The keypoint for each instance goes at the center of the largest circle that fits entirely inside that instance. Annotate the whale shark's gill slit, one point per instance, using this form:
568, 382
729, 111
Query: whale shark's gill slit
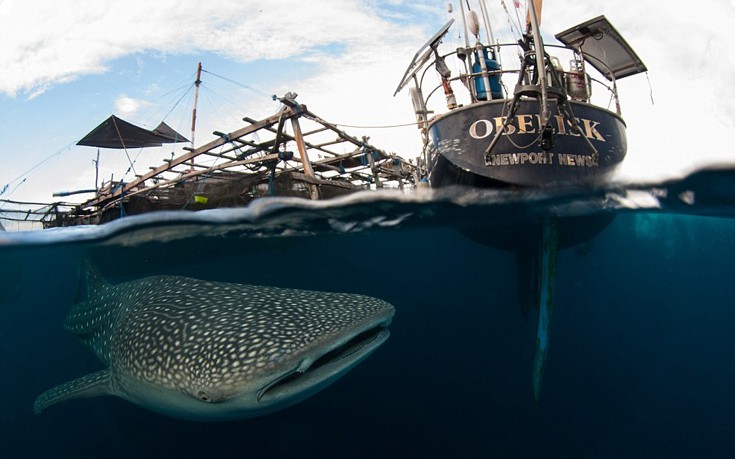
355, 344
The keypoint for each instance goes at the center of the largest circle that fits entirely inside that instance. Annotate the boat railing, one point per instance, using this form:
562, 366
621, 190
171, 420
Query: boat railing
467, 78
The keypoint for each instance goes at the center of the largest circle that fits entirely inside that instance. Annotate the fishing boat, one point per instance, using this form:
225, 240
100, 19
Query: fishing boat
546, 131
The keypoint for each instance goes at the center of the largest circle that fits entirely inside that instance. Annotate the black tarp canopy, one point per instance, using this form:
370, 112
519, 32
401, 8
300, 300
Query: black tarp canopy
118, 133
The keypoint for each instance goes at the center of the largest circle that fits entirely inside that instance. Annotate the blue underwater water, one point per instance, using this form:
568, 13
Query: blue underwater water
642, 339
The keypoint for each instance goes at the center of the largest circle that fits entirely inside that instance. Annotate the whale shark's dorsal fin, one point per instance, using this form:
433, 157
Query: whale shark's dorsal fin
91, 281
90, 385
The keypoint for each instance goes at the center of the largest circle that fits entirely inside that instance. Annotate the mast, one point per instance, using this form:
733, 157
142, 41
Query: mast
197, 83
538, 4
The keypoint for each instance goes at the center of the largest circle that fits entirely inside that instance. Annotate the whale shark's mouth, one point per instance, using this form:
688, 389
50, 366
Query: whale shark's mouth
327, 367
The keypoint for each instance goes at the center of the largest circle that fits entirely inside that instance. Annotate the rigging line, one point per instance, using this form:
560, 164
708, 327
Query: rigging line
510, 21
224, 93
52, 156
124, 149
203, 176
216, 101
216, 107
178, 101
12, 190
650, 88
159, 104
518, 18
376, 127
174, 91
257, 91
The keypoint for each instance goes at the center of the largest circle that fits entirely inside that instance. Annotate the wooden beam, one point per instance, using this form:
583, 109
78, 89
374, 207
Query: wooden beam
315, 131
291, 138
197, 173
333, 142
305, 162
101, 200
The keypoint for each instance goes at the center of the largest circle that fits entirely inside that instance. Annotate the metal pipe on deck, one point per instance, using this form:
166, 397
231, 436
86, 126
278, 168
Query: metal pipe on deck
540, 63
486, 21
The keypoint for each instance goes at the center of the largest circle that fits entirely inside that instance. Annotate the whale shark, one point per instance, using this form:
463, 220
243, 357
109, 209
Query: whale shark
201, 350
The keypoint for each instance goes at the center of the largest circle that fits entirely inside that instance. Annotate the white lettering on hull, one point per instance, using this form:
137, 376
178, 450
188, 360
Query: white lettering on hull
529, 124
561, 159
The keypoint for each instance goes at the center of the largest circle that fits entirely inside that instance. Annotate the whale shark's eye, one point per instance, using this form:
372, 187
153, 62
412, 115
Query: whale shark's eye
204, 397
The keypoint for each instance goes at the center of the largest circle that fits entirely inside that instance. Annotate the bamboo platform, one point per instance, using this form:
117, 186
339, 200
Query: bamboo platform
291, 153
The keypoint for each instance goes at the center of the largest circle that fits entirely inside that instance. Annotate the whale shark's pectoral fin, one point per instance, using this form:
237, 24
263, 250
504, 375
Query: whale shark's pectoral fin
91, 385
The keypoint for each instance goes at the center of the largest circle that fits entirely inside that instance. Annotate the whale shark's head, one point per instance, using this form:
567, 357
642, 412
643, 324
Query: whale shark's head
232, 393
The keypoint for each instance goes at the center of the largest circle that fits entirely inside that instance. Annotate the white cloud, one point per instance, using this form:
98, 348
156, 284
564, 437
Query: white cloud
128, 106
54, 40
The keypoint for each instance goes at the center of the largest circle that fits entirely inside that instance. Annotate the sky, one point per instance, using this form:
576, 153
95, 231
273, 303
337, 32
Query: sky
69, 64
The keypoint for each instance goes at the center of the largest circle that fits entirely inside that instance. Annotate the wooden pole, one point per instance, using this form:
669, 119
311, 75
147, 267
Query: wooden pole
97, 171
308, 169
197, 83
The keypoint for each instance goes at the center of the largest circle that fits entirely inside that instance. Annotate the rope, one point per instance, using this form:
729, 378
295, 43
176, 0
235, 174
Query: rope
178, 102
507, 106
415, 123
22, 178
523, 147
14, 188
650, 88
250, 88
214, 102
122, 142
510, 21
272, 97
201, 182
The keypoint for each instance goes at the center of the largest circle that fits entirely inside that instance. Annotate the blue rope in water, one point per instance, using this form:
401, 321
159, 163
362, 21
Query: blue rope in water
122, 195
272, 182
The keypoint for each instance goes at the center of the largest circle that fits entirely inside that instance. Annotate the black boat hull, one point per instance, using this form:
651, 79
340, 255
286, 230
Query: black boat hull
459, 139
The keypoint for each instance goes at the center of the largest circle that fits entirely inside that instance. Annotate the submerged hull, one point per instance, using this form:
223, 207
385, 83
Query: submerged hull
457, 156
459, 139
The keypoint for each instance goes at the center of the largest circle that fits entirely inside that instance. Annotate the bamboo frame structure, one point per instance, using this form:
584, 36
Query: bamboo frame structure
239, 166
